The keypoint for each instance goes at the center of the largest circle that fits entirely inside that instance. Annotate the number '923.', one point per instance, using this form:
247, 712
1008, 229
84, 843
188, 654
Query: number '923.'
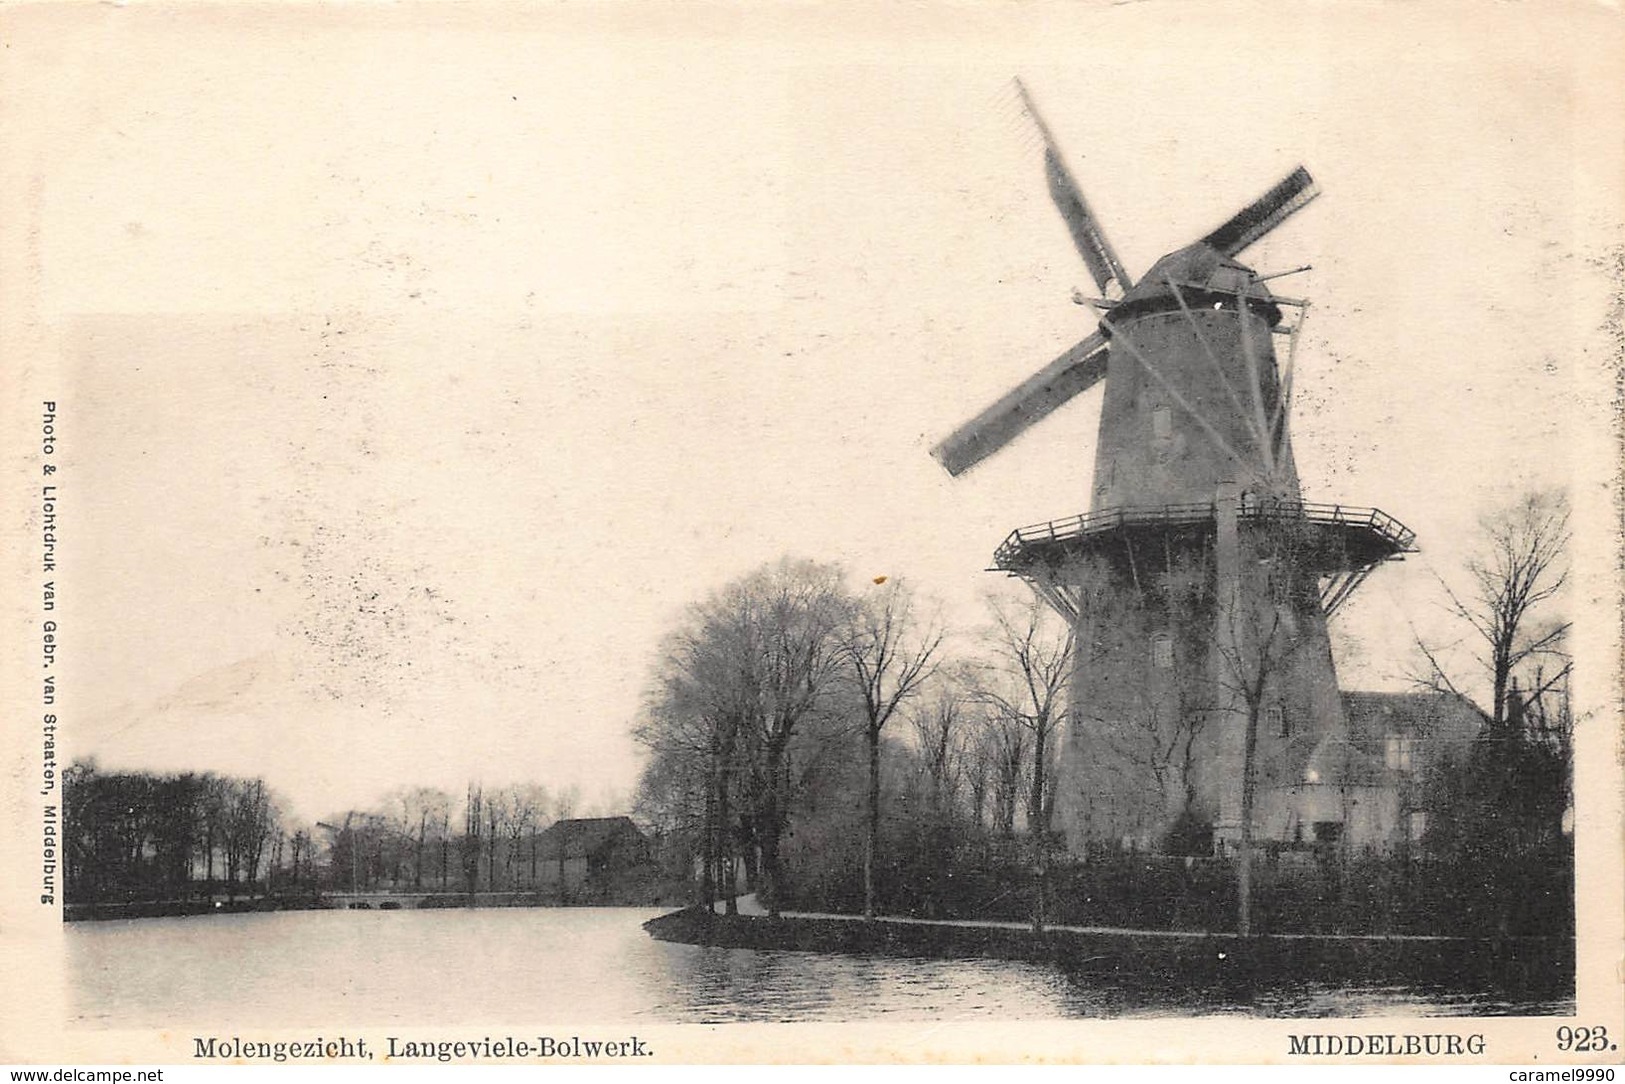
1584, 1040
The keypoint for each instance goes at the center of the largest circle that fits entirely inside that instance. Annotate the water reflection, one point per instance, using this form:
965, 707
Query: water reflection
321, 968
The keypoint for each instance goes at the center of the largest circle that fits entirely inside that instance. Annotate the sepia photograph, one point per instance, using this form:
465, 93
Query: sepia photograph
570, 533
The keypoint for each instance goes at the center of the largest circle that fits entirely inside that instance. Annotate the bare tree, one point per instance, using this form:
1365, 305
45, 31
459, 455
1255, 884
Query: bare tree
523, 814
441, 826
736, 682
213, 806
1002, 748
978, 760
409, 810
473, 829
299, 849
1515, 787
802, 607
698, 722
1522, 567
497, 816
1030, 661
1247, 669
259, 816
939, 726
248, 824
531, 801
677, 790
892, 652
432, 809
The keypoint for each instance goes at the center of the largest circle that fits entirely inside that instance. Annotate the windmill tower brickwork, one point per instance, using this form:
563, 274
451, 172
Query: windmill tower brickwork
1199, 583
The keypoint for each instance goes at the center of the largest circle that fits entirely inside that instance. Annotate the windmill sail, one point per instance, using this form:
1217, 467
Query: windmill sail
1035, 398
1264, 214
1081, 223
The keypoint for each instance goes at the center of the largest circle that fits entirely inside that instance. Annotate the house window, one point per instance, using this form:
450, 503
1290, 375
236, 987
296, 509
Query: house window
1418, 826
1397, 755
1162, 422
1277, 721
1162, 651
1328, 831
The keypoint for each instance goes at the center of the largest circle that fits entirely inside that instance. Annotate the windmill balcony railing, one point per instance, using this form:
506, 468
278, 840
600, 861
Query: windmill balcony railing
1401, 538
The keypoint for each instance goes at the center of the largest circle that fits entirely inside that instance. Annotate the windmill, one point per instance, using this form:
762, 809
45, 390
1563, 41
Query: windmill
1199, 582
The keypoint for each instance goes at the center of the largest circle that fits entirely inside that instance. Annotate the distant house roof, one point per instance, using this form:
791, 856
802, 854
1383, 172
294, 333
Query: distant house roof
589, 837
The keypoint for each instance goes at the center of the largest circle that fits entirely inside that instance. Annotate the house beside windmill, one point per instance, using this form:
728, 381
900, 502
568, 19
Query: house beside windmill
1404, 744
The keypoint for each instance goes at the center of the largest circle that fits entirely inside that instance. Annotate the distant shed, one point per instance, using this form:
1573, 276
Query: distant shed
595, 851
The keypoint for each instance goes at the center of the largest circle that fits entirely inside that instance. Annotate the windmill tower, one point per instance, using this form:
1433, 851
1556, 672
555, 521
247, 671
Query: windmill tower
1199, 582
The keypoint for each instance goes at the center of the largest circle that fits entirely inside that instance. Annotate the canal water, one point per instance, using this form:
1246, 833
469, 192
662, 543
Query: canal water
593, 965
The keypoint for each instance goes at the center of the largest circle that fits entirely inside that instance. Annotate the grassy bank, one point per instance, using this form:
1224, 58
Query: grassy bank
1542, 967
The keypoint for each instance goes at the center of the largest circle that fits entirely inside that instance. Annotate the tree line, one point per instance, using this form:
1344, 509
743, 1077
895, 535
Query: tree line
781, 690
142, 835
149, 836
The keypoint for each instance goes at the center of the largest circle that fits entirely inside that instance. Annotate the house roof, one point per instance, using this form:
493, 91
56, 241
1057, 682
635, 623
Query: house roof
1432, 716
584, 837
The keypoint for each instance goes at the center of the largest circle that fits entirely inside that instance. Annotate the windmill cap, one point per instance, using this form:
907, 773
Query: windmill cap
1201, 277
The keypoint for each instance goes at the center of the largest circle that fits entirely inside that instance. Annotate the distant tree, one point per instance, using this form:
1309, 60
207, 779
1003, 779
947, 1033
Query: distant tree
416, 815
212, 811
940, 732
531, 802
1001, 748
675, 794
977, 760
1510, 795
473, 830
1029, 661
497, 816
301, 852
440, 825
175, 831
1513, 582
892, 652
259, 820
248, 820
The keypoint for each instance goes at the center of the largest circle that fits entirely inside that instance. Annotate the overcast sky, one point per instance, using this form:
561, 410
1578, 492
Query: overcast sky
417, 369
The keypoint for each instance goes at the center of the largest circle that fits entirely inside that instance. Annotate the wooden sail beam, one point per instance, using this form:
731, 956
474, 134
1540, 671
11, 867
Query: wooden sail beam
1255, 374
1283, 407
